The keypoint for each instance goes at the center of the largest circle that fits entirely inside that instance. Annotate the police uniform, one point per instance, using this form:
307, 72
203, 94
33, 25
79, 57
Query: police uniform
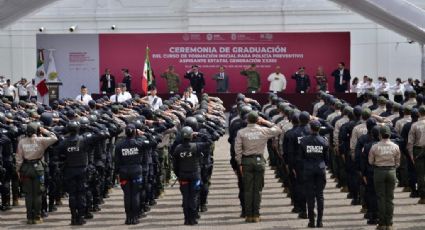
128, 165
367, 171
237, 124
302, 82
314, 149
385, 156
249, 147
197, 81
29, 164
186, 161
416, 149
74, 153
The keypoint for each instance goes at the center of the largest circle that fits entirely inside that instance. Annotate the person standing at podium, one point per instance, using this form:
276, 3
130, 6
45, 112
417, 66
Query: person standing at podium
108, 82
84, 97
222, 80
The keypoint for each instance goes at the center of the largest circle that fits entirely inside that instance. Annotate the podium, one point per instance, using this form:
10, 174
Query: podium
53, 90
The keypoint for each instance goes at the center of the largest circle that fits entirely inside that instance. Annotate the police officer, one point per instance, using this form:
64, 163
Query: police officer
186, 162
249, 147
239, 122
74, 155
8, 166
416, 148
302, 81
128, 165
363, 146
314, 149
30, 167
196, 79
385, 157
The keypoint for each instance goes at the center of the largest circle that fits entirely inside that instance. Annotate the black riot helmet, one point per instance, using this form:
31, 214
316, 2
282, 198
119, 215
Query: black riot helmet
191, 122
200, 118
73, 127
187, 133
84, 122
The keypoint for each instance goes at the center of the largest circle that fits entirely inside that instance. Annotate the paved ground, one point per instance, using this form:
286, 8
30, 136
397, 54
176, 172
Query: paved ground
224, 208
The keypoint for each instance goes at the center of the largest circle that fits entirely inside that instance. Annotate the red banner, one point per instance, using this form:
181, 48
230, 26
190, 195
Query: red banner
235, 51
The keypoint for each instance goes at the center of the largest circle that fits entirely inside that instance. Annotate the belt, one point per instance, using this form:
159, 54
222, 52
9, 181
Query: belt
252, 156
32, 161
384, 167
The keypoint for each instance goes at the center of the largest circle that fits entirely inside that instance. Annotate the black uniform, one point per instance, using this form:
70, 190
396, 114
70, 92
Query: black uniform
197, 81
74, 154
314, 149
302, 83
234, 127
186, 162
9, 166
298, 166
129, 155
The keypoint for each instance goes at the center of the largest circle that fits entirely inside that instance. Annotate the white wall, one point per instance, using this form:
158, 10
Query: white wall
375, 51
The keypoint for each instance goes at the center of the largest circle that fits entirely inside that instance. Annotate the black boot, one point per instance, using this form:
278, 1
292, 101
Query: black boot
80, 218
73, 217
203, 208
128, 220
135, 221
6, 204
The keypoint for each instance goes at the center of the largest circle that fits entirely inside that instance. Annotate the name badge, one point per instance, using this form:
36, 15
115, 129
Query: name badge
171, 92
302, 91
194, 91
253, 92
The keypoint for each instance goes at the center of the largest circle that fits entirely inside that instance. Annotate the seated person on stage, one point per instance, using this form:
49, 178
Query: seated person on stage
153, 99
118, 97
126, 94
84, 97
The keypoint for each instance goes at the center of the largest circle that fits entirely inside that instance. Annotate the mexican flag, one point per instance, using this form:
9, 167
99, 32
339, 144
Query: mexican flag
147, 73
40, 74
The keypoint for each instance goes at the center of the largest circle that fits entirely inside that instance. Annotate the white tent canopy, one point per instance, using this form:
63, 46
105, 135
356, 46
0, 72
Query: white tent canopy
13, 10
400, 16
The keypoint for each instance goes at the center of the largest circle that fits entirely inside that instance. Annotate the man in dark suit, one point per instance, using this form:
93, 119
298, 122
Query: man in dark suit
342, 78
108, 82
196, 79
127, 79
222, 80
